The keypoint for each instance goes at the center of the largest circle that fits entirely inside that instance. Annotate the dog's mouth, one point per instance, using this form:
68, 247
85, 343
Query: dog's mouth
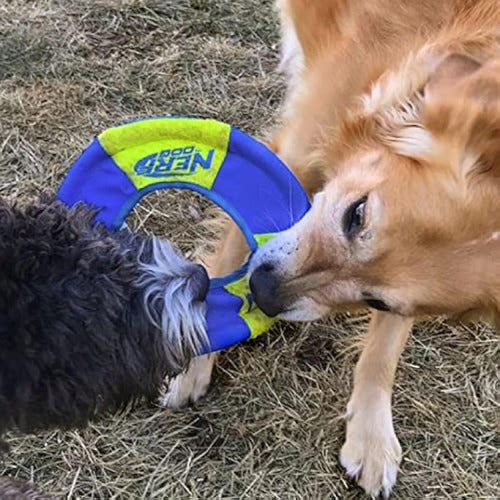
376, 303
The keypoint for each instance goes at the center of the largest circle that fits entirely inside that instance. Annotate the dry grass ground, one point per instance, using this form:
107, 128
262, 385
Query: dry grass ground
270, 427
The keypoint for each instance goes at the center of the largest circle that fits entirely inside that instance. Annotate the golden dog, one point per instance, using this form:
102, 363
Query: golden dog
392, 122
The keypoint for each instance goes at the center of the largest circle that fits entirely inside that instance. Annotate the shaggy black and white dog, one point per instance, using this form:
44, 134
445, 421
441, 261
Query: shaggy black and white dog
89, 319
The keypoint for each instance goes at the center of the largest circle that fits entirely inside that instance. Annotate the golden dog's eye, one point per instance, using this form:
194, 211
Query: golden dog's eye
354, 218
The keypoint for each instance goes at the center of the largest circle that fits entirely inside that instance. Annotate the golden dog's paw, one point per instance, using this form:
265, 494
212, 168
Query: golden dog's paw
188, 387
180, 392
371, 453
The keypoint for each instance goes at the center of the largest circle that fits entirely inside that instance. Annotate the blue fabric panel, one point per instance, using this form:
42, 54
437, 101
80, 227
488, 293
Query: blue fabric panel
96, 180
224, 326
260, 196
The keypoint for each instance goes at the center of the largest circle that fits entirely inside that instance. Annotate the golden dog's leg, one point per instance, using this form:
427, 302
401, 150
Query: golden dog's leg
193, 384
371, 452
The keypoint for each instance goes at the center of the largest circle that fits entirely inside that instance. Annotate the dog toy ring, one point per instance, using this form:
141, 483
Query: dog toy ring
230, 168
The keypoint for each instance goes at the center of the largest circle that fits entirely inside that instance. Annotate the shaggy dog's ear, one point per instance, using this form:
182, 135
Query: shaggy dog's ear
456, 123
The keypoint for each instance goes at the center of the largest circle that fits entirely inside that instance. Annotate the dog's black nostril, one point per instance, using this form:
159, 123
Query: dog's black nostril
201, 283
267, 267
264, 285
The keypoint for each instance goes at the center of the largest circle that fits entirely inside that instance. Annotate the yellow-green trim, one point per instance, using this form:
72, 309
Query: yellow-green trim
144, 150
256, 320
263, 238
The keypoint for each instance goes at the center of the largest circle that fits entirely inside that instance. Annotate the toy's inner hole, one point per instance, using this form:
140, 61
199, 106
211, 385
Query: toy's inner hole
191, 222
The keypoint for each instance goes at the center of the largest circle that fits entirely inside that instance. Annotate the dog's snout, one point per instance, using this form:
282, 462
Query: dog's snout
201, 283
264, 285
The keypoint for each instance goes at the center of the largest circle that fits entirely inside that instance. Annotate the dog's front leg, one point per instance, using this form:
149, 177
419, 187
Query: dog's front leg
371, 452
190, 386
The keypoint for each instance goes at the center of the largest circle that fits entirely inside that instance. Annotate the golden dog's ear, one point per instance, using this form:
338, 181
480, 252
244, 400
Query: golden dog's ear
463, 119
448, 73
458, 119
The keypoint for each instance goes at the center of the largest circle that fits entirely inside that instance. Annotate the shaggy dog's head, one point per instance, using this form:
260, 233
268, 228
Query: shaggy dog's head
89, 319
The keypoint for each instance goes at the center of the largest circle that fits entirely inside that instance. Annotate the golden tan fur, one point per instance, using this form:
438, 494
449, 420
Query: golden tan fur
426, 140
398, 101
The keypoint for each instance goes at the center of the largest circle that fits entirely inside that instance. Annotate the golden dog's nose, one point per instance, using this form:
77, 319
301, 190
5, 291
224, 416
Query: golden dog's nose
264, 285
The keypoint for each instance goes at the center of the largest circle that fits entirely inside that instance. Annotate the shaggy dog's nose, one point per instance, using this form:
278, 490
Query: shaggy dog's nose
201, 283
264, 286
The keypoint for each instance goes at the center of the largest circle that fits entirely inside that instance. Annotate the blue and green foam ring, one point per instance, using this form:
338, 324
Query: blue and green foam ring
230, 168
